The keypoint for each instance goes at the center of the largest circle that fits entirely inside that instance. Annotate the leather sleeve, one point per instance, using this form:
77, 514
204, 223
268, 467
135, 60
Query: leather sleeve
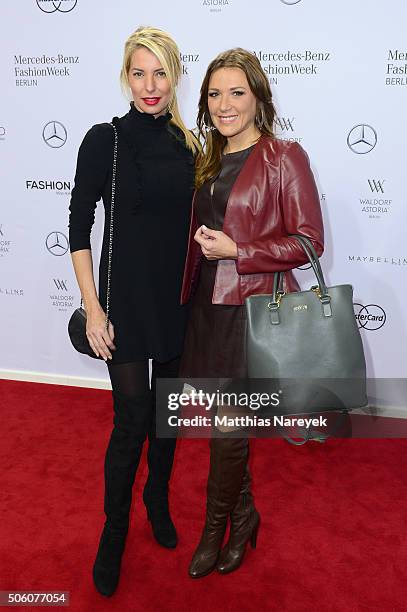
93, 165
301, 211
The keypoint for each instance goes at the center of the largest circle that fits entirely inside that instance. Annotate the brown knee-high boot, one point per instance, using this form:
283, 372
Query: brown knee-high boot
228, 457
244, 525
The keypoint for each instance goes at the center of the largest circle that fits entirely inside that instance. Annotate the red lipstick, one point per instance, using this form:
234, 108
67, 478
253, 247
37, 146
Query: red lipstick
151, 101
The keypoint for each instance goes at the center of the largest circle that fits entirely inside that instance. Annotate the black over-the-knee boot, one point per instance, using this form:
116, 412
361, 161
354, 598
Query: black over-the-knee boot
160, 458
131, 419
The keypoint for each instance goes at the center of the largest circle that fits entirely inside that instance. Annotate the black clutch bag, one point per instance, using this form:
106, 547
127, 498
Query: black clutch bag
77, 322
77, 333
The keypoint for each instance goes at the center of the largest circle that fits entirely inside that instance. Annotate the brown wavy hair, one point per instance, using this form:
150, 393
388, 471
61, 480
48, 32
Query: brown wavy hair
208, 162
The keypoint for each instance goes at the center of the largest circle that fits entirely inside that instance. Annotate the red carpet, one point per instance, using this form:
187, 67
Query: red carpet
332, 538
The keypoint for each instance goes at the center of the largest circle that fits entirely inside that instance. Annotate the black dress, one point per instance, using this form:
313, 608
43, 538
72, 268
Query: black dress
215, 338
154, 187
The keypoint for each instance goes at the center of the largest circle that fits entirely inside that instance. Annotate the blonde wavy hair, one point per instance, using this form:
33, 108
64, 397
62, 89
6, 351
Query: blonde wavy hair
166, 50
209, 161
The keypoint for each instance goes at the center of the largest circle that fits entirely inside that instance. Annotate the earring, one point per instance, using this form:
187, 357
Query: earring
259, 121
207, 121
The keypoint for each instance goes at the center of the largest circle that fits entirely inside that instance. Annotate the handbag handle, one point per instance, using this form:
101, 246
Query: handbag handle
313, 258
110, 248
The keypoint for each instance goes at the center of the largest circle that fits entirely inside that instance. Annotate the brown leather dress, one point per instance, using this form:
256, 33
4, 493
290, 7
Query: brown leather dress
215, 337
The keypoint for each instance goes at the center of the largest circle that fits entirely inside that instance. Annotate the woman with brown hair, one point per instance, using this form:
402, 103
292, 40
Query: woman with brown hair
253, 191
153, 190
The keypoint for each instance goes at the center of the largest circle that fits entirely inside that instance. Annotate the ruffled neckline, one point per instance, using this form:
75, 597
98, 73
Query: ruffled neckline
147, 121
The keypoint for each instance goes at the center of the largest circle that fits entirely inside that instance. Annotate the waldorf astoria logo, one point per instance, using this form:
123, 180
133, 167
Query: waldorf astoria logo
286, 124
5, 244
216, 6
371, 317
376, 185
375, 203
56, 6
374, 200
285, 128
60, 297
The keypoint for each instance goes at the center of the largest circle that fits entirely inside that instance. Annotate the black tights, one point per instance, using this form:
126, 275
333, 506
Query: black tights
132, 379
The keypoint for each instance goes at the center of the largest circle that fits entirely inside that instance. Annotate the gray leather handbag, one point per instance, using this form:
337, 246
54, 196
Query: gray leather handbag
307, 345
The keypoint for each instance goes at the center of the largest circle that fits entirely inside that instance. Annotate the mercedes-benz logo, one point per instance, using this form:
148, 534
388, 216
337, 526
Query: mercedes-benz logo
52, 6
290, 1
371, 316
57, 243
362, 139
54, 134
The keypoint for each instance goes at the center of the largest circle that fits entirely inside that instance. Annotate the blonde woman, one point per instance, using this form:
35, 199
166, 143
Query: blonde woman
154, 187
253, 191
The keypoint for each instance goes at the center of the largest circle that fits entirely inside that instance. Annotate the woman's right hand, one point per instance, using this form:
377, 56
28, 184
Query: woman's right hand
100, 338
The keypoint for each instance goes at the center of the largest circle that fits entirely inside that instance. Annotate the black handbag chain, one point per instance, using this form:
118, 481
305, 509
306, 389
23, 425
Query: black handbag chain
109, 262
110, 248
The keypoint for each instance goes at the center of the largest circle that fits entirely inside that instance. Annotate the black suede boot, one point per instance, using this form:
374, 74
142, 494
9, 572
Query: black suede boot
160, 458
131, 418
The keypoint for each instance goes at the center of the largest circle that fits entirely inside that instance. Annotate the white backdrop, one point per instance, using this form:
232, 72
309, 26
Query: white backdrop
338, 72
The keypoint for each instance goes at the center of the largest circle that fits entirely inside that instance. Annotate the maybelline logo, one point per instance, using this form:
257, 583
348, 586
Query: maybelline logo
57, 244
376, 206
54, 134
396, 67
4, 244
2, 133
369, 259
58, 186
61, 301
371, 317
54, 6
362, 138
11, 292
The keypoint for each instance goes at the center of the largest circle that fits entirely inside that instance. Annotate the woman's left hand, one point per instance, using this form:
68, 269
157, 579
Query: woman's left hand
215, 244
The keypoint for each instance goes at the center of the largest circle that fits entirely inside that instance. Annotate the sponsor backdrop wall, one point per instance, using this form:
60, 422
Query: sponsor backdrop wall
338, 71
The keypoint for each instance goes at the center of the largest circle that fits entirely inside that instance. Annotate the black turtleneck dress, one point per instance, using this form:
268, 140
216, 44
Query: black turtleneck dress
154, 187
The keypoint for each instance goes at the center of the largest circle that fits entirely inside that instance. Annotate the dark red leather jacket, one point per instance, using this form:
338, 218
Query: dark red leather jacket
273, 196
